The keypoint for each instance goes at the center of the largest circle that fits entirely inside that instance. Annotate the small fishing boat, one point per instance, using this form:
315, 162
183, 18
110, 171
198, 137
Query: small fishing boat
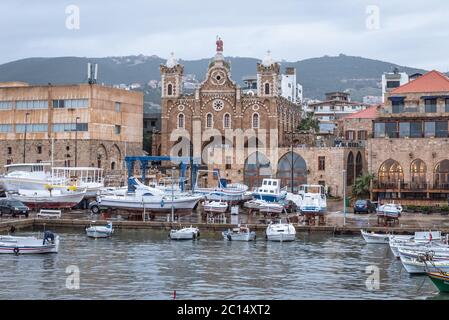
49, 243
239, 234
271, 207
270, 191
440, 279
421, 266
389, 210
438, 254
186, 233
313, 199
421, 238
100, 231
224, 191
280, 231
45, 199
215, 206
254, 204
375, 238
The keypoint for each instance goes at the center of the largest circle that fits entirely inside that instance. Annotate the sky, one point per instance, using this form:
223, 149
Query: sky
412, 33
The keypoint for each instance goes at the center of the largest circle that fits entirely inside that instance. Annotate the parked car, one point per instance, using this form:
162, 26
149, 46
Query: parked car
364, 206
13, 207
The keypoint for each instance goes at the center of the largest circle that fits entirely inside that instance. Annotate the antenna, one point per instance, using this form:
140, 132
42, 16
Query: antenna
92, 73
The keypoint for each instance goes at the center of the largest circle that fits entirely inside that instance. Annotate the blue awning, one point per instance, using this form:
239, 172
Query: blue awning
435, 97
396, 98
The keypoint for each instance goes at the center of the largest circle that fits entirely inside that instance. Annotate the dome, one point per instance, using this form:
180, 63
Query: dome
171, 62
268, 60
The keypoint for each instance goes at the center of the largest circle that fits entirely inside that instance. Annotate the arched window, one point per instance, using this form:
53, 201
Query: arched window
181, 120
350, 170
288, 163
267, 88
209, 120
112, 165
170, 89
418, 172
358, 165
227, 121
390, 174
255, 120
442, 175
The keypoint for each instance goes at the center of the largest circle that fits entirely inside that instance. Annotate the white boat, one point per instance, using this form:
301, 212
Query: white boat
215, 206
239, 234
375, 238
270, 191
44, 199
431, 238
142, 199
42, 176
30, 245
437, 253
271, 207
418, 266
254, 204
224, 191
280, 231
186, 233
313, 200
100, 231
389, 210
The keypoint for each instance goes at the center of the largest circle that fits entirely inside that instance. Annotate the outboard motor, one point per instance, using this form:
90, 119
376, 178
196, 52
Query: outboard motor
49, 237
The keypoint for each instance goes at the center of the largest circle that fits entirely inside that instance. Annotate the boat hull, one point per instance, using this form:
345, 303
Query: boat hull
65, 201
416, 267
374, 238
124, 203
251, 236
281, 237
184, 234
27, 245
440, 281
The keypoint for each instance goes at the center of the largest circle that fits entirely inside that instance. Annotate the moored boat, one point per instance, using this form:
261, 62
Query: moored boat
421, 266
30, 245
440, 280
375, 238
280, 231
100, 231
239, 234
186, 233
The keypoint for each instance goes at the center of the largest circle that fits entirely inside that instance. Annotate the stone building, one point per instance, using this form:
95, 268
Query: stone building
85, 125
409, 150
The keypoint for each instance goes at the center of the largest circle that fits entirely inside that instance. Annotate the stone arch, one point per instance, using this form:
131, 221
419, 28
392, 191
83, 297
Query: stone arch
418, 172
102, 156
292, 170
358, 165
115, 157
350, 169
441, 175
390, 173
256, 168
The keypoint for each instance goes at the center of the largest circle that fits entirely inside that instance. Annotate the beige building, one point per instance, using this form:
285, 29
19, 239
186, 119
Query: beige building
85, 125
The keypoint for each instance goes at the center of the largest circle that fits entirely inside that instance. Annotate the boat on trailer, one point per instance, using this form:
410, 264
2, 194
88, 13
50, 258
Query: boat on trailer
215, 206
314, 200
45, 199
224, 191
270, 191
49, 243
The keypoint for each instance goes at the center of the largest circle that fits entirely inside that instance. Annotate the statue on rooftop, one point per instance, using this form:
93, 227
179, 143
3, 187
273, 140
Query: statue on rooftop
219, 44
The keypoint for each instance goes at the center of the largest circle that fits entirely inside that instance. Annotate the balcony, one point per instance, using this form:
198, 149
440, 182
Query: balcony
410, 187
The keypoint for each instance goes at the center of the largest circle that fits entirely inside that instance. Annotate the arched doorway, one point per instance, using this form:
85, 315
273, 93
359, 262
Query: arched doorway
418, 171
390, 174
257, 167
102, 156
358, 165
350, 166
441, 176
297, 176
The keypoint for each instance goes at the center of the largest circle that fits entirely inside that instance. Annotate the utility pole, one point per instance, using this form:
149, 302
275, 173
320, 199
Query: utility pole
25, 136
76, 141
344, 197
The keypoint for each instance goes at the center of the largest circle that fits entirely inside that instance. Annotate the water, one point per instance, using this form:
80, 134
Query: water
146, 265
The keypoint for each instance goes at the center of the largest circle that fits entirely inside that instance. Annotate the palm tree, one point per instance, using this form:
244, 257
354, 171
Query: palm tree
309, 123
361, 187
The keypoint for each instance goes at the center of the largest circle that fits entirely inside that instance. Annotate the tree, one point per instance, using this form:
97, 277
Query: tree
361, 187
309, 123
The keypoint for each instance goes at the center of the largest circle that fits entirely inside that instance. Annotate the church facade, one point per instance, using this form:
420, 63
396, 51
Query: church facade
240, 135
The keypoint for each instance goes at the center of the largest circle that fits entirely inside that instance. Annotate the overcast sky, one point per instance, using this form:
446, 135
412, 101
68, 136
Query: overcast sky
412, 33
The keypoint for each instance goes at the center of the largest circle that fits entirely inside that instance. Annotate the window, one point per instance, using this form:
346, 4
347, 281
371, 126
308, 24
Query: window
255, 120
362, 134
9, 150
31, 104
404, 129
68, 127
112, 165
391, 130
227, 120
415, 129
431, 105
4, 128
446, 107
209, 120
429, 129
117, 129
70, 103
181, 120
397, 106
321, 163
37, 127
267, 88
379, 130
9, 161
5, 105
350, 135
170, 89
441, 129
153, 123
118, 106
393, 84
228, 163
39, 149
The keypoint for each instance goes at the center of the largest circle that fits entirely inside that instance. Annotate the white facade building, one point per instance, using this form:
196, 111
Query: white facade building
392, 80
290, 89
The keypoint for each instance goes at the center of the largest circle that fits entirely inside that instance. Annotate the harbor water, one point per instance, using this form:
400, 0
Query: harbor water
147, 265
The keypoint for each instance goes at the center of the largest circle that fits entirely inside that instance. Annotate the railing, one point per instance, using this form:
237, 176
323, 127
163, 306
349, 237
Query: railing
410, 186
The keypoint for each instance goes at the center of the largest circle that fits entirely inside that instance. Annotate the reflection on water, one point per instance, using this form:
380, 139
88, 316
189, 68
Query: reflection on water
146, 265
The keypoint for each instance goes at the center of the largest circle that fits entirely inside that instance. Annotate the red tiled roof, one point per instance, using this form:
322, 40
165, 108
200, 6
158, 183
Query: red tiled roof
432, 81
368, 113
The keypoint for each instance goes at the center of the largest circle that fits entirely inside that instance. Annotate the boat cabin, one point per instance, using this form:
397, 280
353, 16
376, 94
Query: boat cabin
270, 186
27, 167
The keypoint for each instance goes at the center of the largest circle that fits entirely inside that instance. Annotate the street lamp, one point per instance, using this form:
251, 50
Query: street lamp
25, 136
76, 141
